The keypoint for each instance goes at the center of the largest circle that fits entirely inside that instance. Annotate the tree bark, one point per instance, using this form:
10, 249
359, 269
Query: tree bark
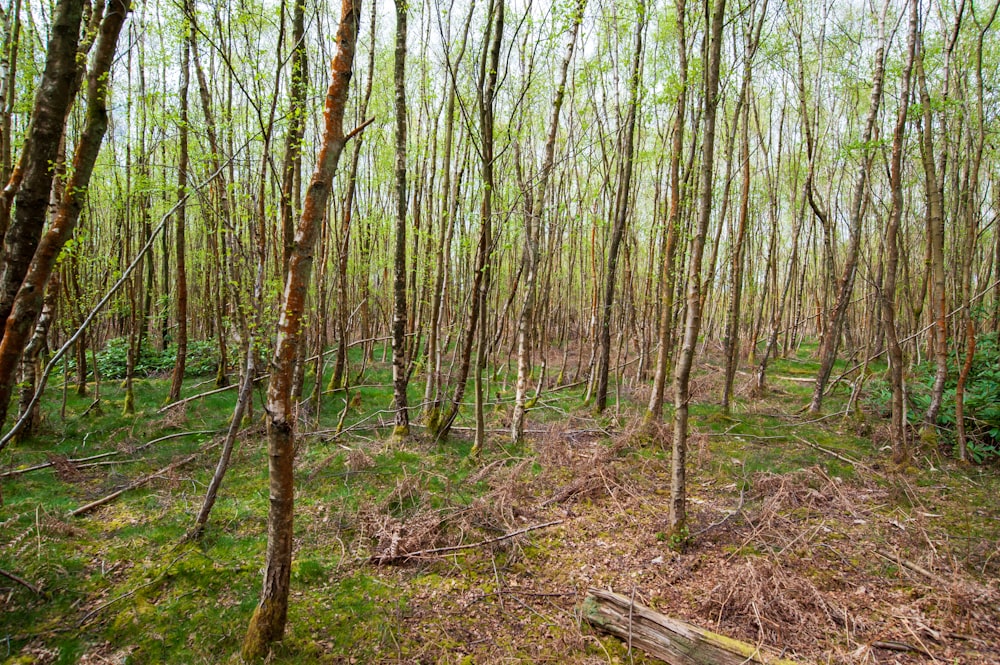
399, 317
668, 271
532, 233
28, 303
268, 621
180, 221
31, 179
897, 425
712, 55
621, 213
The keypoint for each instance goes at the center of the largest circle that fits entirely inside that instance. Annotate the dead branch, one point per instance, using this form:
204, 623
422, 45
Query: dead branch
902, 647
437, 551
899, 561
18, 472
177, 435
671, 640
23, 582
131, 486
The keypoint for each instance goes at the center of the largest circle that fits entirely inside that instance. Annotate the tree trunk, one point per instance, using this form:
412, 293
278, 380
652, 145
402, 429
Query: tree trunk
399, 318
268, 622
897, 425
532, 232
621, 213
730, 343
712, 55
31, 180
668, 271
180, 221
28, 303
831, 339
488, 74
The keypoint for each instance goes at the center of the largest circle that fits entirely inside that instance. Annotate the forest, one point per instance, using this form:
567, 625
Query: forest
491, 331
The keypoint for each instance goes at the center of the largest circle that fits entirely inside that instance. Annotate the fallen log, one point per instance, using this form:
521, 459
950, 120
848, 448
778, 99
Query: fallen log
671, 640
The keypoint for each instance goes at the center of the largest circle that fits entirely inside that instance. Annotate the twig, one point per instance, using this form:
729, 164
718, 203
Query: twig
23, 582
715, 525
458, 548
895, 558
176, 435
833, 453
128, 594
18, 472
214, 391
902, 647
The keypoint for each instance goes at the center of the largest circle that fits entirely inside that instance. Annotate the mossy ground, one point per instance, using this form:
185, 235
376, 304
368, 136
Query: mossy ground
793, 544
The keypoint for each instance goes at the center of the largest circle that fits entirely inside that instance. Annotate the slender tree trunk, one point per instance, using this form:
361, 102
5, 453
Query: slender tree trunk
292, 164
8, 79
180, 223
435, 352
971, 212
338, 379
488, 74
935, 238
897, 425
620, 215
485, 92
399, 318
730, 343
712, 56
33, 359
831, 340
268, 622
532, 232
668, 271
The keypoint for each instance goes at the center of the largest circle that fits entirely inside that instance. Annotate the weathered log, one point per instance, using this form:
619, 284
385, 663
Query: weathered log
671, 640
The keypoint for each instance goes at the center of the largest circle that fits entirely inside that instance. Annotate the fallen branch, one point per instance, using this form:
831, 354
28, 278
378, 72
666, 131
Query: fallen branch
437, 551
671, 640
833, 453
176, 435
216, 391
18, 472
23, 582
902, 647
899, 561
131, 486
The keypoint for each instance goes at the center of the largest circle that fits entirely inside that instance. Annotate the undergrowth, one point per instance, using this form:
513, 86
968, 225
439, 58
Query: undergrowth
410, 552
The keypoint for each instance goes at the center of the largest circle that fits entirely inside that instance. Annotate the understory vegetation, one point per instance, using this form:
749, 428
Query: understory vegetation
802, 538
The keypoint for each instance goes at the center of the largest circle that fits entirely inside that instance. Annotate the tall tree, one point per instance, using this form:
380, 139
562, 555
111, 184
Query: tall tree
532, 233
180, 224
712, 56
268, 622
399, 374
621, 211
31, 180
845, 291
668, 272
730, 342
27, 305
897, 425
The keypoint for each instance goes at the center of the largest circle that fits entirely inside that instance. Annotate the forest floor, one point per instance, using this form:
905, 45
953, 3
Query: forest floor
803, 537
